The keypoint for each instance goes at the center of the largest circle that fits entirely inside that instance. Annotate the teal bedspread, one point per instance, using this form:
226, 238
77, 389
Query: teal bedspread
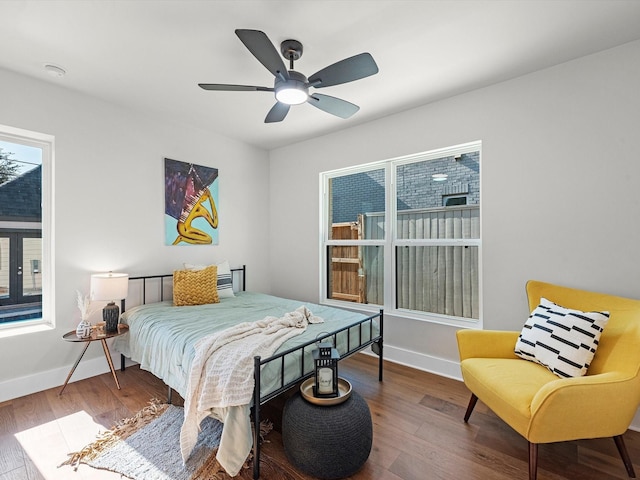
161, 336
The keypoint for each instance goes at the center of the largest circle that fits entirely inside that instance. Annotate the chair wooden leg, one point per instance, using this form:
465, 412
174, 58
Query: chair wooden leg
472, 403
533, 461
622, 449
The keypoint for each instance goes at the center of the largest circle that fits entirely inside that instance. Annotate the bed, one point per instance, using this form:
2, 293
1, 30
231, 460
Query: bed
162, 338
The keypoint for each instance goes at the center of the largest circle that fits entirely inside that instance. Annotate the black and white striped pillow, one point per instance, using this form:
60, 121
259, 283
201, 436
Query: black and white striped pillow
225, 285
561, 339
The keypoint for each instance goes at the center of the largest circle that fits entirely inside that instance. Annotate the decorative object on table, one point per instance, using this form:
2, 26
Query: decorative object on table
100, 333
131, 448
83, 330
191, 199
325, 359
110, 287
327, 442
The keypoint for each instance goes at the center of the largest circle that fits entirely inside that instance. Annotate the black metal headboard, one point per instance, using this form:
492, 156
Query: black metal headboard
158, 281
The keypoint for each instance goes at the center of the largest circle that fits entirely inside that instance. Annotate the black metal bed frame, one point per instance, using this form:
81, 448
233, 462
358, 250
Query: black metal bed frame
376, 343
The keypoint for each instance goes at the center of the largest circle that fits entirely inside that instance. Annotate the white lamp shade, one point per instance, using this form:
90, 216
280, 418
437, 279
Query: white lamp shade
109, 286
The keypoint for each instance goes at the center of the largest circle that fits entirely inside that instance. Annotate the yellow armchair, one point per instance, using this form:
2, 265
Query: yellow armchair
541, 406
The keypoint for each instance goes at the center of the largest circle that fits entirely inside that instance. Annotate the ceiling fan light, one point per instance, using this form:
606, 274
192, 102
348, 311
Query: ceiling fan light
292, 90
291, 95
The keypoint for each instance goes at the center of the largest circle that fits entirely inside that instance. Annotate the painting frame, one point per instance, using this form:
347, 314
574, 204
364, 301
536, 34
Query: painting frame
191, 203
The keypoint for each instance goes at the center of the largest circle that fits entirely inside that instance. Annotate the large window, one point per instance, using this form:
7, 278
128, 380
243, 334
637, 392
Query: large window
404, 234
25, 229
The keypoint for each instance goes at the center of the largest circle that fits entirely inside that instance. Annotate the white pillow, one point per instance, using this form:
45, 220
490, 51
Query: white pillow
225, 285
561, 339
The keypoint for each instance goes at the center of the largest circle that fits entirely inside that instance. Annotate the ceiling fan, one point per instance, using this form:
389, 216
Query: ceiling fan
291, 87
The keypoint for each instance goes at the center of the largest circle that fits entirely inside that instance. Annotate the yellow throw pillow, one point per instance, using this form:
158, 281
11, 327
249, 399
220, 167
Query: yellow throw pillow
195, 287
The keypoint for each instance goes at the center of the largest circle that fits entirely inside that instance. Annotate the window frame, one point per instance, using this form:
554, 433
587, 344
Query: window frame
391, 240
44, 142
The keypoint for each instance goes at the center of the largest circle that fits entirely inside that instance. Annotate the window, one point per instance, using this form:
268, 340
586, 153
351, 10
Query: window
25, 229
454, 201
404, 234
356, 224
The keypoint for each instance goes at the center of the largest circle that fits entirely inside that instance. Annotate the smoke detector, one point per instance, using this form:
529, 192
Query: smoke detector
54, 70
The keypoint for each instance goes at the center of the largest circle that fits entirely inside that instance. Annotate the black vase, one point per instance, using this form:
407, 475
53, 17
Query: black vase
111, 315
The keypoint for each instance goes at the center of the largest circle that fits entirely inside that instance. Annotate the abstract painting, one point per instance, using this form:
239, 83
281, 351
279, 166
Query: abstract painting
191, 199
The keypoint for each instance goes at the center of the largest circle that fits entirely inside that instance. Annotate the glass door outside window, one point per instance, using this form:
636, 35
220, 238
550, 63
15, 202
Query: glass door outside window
20, 267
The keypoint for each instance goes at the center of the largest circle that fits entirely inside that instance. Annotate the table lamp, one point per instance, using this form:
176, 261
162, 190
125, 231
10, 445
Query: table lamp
110, 287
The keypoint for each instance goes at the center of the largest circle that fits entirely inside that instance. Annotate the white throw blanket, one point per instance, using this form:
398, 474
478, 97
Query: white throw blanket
221, 378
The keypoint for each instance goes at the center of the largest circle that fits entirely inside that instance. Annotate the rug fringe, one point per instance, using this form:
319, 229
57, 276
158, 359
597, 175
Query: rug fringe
265, 427
212, 470
118, 432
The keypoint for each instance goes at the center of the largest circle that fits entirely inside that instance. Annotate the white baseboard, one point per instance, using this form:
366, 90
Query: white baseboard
635, 423
421, 361
19, 387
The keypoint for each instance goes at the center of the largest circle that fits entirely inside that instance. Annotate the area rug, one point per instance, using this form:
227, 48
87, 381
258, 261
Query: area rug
147, 447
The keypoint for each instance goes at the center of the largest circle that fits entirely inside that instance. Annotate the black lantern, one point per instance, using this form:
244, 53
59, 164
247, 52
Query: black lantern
326, 368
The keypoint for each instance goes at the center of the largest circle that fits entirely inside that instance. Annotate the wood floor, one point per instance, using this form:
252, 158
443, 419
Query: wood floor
417, 420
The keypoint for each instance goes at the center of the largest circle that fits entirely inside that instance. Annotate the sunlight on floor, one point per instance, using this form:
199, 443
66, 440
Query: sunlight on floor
45, 446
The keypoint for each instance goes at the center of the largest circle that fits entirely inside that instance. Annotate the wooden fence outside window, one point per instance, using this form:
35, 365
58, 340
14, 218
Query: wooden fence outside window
441, 279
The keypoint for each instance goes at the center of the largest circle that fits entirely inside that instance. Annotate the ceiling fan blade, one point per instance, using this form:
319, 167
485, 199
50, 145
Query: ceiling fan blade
261, 47
277, 113
233, 88
347, 70
335, 106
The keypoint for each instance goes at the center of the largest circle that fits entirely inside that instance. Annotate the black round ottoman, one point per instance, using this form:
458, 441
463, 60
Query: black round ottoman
327, 442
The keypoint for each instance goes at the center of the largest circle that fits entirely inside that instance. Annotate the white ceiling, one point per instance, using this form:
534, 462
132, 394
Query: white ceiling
150, 55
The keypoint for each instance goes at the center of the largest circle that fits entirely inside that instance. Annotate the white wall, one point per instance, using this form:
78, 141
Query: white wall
109, 203
560, 199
